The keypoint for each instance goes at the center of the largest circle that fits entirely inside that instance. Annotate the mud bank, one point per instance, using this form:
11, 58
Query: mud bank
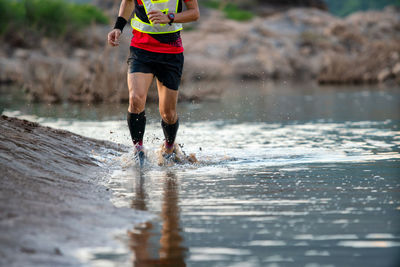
52, 198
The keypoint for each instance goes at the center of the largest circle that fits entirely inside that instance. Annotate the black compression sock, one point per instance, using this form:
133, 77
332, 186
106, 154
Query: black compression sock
170, 131
137, 125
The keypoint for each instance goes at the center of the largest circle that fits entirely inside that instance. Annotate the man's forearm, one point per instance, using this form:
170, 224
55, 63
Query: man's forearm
187, 16
126, 8
191, 14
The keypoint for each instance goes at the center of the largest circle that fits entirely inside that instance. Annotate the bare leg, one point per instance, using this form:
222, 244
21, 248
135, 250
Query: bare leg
168, 100
138, 84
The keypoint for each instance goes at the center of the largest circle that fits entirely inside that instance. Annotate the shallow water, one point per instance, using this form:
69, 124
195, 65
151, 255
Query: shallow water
288, 176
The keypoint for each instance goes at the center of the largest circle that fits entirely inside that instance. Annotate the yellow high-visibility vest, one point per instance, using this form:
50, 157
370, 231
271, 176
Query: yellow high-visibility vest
165, 6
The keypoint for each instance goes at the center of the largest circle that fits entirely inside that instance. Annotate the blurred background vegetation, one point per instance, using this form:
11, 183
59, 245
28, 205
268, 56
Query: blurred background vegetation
49, 17
346, 7
241, 9
231, 10
60, 17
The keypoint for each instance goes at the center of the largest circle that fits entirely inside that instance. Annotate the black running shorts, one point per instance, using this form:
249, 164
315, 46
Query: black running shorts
166, 67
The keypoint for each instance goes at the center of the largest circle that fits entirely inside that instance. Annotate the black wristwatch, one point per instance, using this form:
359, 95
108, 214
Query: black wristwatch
171, 17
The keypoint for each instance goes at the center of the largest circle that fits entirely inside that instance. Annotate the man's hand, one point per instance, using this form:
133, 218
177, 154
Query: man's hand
157, 17
113, 37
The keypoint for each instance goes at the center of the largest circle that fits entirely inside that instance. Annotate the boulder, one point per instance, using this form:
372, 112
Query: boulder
396, 69
384, 75
11, 70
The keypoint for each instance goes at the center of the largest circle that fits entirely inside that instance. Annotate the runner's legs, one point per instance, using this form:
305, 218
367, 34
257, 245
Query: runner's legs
138, 85
168, 100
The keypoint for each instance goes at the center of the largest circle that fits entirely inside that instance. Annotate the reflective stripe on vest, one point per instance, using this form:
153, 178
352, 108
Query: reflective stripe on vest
165, 6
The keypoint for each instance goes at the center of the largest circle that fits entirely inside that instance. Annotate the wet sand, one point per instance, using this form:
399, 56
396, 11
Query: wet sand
52, 198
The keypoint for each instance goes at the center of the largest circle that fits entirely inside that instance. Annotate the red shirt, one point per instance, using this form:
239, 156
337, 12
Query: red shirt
170, 43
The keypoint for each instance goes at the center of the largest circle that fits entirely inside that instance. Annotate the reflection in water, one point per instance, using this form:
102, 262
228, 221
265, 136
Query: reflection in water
171, 252
139, 240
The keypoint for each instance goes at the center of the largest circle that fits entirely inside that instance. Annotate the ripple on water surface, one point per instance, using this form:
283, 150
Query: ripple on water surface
287, 194
293, 194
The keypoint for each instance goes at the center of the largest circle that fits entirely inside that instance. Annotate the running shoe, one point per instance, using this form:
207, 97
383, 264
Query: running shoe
140, 156
167, 159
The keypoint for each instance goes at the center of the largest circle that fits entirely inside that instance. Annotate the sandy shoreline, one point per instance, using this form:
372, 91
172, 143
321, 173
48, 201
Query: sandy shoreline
53, 197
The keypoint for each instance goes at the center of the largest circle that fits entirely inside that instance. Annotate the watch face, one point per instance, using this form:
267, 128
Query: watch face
171, 16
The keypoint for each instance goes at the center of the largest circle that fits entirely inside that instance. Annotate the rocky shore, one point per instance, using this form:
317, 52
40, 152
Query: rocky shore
297, 44
53, 201
306, 44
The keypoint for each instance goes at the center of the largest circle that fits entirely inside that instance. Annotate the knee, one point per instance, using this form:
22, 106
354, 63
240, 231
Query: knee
136, 102
169, 116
